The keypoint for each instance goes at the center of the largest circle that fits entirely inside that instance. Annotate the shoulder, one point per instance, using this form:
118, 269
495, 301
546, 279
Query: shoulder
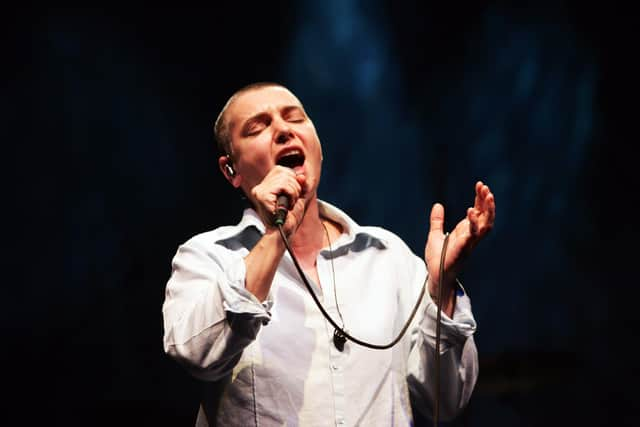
243, 233
212, 236
201, 246
388, 237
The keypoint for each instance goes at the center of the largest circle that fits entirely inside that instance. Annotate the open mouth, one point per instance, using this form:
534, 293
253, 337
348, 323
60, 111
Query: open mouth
291, 159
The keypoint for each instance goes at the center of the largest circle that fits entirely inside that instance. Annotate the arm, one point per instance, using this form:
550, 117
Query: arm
216, 299
458, 353
262, 262
209, 316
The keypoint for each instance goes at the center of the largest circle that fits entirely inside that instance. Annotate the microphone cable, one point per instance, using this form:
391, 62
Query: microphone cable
279, 222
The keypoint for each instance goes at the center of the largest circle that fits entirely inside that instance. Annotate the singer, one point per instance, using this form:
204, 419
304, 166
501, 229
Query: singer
237, 316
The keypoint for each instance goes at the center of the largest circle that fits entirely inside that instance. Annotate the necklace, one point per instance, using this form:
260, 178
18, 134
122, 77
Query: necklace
339, 339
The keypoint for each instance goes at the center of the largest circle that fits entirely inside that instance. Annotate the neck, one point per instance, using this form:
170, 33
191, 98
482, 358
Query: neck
309, 237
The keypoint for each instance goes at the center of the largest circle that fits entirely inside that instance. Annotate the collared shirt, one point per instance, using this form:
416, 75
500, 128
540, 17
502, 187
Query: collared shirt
273, 363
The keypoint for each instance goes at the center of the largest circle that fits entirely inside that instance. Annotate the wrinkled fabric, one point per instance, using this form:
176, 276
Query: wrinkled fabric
273, 362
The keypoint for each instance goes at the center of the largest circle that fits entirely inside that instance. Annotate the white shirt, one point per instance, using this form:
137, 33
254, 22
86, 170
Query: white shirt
274, 363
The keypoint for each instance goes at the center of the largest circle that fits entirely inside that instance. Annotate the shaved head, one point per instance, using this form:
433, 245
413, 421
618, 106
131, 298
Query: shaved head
221, 127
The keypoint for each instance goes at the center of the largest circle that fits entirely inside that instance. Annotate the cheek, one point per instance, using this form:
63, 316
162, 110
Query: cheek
312, 141
254, 171
317, 150
256, 154
254, 165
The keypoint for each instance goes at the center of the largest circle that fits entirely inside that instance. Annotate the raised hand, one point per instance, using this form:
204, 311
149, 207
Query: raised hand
464, 237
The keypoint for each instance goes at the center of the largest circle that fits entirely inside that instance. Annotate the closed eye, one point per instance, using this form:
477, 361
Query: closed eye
255, 125
294, 114
255, 129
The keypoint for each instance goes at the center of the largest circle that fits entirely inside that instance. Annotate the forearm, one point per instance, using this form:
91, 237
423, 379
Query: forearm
448, 304
262, 262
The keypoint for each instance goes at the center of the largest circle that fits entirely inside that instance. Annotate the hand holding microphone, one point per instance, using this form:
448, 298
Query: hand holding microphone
283, 203
280, 192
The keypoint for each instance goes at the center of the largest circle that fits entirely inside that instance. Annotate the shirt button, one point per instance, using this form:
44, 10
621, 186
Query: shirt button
334, 366
341, 421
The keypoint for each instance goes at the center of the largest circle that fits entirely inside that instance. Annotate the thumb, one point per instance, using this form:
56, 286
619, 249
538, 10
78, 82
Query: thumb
297, 212
437, 218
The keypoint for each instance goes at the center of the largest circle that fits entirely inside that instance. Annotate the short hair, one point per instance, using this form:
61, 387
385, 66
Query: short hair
221, 125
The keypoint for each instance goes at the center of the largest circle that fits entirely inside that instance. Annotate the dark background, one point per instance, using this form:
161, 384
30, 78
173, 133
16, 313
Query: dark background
112, 164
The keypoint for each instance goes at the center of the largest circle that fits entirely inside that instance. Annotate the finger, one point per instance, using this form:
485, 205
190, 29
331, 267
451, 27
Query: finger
478, 200
486, 199
297, 211
292, 189
491, 209
287, 176
302, 180
280, 175
282, 169
286, 186
436, 220
472, 216
484, 192
298, 208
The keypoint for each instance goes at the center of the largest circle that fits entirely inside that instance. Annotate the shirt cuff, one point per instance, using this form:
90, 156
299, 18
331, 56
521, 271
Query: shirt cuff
453, 331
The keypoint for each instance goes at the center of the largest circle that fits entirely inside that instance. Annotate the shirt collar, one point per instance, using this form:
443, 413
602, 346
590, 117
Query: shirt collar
354, 237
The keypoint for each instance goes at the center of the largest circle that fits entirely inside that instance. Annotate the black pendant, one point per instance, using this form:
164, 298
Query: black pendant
339, 339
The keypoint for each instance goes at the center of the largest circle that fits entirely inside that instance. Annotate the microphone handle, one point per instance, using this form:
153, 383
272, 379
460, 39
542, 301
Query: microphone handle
282, 207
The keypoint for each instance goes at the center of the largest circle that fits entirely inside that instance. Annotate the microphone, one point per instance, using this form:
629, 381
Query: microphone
282, 207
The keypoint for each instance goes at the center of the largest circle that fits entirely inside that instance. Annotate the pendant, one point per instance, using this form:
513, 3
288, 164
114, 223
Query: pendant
339, 340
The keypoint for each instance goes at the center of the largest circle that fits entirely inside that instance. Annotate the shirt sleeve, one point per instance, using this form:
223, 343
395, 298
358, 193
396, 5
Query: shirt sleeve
209, 317
458, 355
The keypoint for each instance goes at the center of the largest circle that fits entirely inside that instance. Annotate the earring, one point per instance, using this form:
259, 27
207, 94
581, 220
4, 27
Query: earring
227, 166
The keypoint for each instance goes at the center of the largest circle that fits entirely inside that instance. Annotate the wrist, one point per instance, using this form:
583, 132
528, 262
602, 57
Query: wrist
271, 238
450, 283
449, 289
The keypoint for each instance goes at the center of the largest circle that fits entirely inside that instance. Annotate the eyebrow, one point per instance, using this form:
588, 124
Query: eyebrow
289, 108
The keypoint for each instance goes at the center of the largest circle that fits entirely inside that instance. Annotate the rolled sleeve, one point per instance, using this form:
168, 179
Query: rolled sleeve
237, 299
453, 331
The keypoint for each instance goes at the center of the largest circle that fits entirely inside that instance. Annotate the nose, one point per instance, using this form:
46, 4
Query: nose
283, 133
283, 137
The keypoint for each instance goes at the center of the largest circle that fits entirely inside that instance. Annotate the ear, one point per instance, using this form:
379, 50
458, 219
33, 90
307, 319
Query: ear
229, 172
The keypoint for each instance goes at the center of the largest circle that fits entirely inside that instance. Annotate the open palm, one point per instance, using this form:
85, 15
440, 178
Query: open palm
464, 237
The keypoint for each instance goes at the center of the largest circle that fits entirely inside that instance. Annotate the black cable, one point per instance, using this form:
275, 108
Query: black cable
344, 334
347, 335
436, 411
